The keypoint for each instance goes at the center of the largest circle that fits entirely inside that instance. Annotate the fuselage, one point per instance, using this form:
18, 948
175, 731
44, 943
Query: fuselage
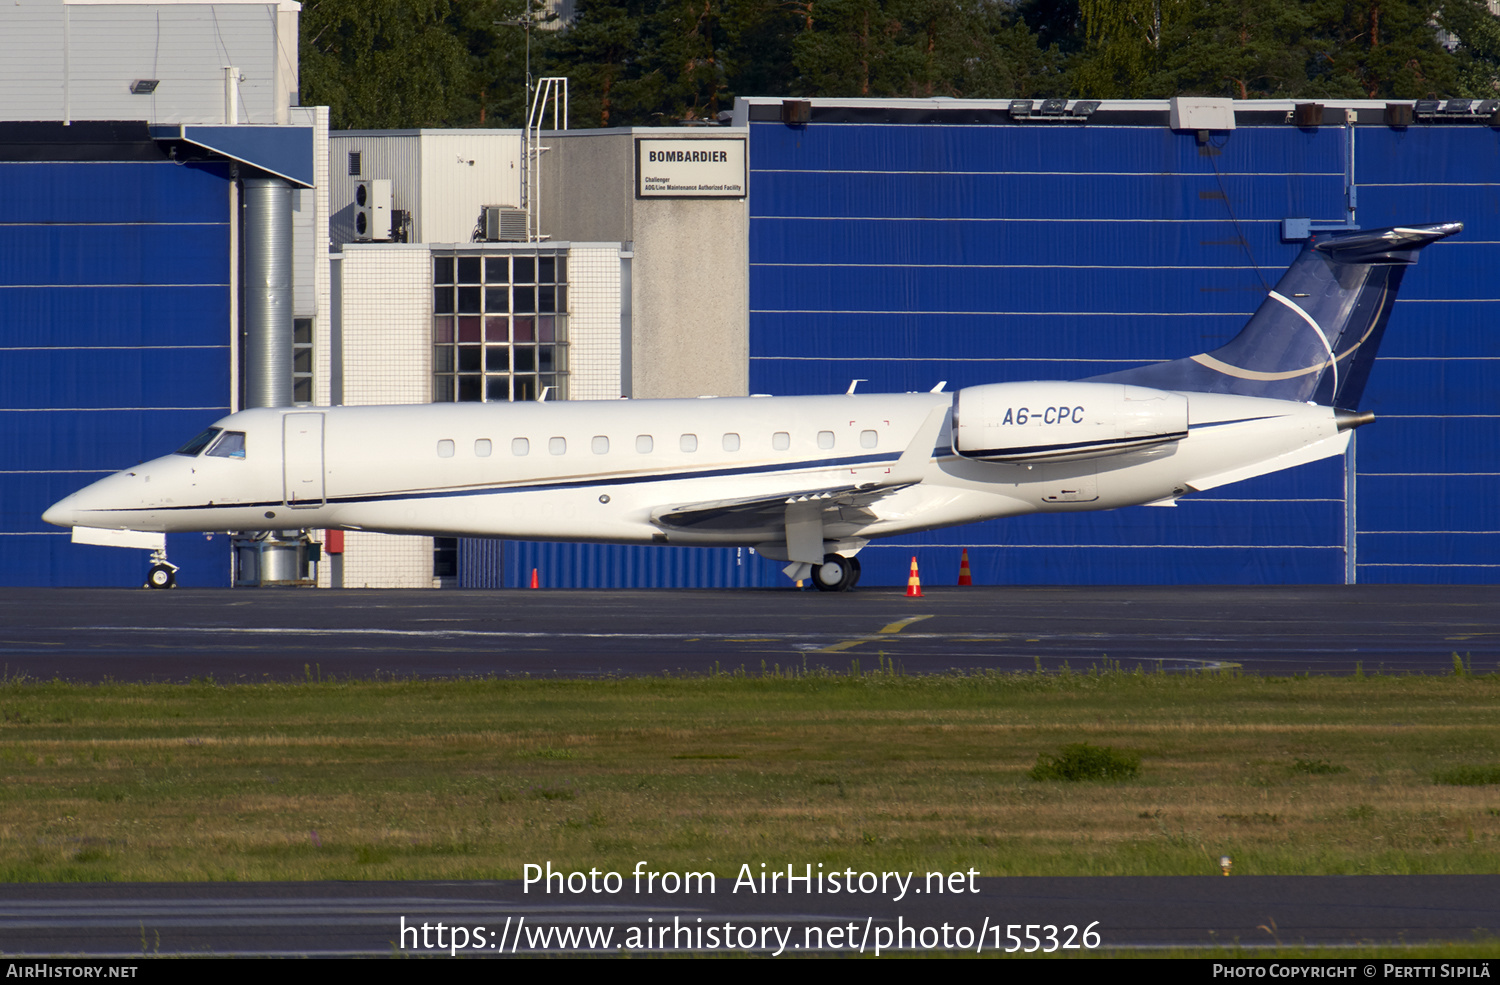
607, 471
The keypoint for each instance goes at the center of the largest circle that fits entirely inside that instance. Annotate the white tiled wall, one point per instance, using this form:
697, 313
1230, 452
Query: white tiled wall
594, 321
387, 333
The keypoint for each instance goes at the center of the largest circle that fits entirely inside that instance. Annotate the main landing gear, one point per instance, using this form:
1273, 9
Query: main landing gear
163, 573
836, 574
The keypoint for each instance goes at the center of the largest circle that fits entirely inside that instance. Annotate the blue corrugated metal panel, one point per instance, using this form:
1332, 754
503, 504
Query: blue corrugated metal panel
98, 378
1446, 329
135, 254
32, 441
1402, 502
967, 289
1447, 386
611, 566
481, 563
1431, 548
1043, 148
129, 315
1423, 155
53, 559
120, 376
1023, 242
114, 192
1430, 445
1034, 196
1476, 206
887, 563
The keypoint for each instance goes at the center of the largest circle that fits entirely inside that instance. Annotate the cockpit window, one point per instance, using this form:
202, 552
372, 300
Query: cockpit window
231, 445
199, 443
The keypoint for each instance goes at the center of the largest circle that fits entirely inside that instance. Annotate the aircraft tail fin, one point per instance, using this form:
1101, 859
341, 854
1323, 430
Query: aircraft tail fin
1315, 336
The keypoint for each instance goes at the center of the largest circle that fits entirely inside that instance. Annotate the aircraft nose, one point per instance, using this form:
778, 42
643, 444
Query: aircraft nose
62, 513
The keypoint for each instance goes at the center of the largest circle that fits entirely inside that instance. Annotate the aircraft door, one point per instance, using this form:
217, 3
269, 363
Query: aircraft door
302, 460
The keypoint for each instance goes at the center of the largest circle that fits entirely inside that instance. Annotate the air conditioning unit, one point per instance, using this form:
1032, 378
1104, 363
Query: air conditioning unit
372, 210
504, 224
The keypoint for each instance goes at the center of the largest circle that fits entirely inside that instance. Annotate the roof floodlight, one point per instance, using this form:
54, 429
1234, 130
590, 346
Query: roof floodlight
1085, 107
1427, 107
1053, 107
144, 87
1020, 108
1457, 105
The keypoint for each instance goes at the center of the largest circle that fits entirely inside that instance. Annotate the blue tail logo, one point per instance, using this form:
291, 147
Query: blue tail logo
1315, 336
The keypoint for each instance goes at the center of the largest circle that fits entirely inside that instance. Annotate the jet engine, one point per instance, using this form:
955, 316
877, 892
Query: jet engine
1026, 422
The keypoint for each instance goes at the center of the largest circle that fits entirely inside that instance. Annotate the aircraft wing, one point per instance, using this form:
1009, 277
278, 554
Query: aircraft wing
760, 512
802, 514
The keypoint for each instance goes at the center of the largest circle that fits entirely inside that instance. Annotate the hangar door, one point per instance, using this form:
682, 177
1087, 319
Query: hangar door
302, 460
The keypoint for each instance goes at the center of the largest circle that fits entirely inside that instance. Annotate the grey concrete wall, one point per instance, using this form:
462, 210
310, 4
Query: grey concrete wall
690, 274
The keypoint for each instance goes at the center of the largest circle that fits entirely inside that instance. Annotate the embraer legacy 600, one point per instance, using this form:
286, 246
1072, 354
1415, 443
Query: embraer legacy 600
806, 480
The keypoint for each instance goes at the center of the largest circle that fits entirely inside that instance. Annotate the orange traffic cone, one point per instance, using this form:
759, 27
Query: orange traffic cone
534, 583
964, 576
914, 583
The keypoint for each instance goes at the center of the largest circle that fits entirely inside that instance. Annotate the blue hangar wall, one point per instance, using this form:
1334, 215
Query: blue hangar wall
114, 334
908, 248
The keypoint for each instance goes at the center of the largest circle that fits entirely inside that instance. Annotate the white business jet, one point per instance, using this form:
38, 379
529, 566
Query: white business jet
805, 480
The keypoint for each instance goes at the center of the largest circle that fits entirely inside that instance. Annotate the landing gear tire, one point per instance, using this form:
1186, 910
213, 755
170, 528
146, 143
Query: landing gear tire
853, 562
835, 574
161, 576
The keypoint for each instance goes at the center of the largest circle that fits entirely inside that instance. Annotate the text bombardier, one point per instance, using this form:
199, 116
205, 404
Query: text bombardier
688, 156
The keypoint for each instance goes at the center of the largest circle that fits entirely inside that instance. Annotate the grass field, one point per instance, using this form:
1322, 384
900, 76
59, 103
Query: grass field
473, 779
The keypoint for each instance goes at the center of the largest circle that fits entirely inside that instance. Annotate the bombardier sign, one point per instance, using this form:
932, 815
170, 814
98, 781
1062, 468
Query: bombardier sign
690, 168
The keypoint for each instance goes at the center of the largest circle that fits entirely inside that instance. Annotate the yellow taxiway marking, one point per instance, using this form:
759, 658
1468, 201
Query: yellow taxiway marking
887, 630
901, 624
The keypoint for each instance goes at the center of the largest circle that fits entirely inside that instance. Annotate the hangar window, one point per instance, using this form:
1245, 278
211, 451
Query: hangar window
731, 442
499, 328
868, 439
825, 440
643, 443
302, 360
781, 441
354, 171
688, 442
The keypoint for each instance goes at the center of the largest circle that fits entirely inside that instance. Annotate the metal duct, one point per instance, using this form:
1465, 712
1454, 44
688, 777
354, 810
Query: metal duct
267, 287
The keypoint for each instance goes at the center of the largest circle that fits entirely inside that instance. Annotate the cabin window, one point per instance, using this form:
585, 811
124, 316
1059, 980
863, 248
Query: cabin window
557, 446
643, 443
731, 442
601, 444
500, 323
868, 439
198, 443
688, 442
781, 441
520, 446
230, 445
482, 447
445, 448
825, 440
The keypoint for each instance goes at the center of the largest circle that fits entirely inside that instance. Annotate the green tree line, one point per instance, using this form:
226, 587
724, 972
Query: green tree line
383, 64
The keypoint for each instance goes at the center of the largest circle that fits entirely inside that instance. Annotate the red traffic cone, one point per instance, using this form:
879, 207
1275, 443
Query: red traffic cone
914, 582
964, 576
534, 583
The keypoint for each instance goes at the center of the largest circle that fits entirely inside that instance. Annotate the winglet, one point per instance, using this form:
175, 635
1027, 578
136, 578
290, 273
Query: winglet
913, 461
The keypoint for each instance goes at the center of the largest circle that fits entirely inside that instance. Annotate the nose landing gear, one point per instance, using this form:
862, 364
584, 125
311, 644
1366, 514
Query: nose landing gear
163, 573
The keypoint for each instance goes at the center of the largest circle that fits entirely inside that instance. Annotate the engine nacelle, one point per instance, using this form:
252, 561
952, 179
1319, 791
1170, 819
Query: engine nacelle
1024, 422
